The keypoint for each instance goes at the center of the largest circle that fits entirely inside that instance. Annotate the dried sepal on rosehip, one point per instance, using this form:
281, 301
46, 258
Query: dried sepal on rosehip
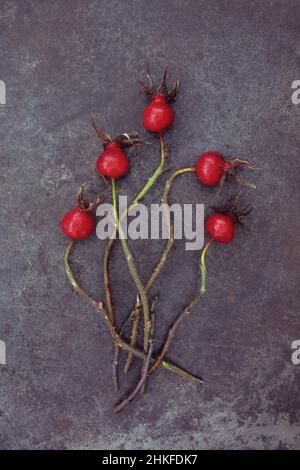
163, 90
82, 200
79, 223
158, 115
220, 225
212, 169
113, 161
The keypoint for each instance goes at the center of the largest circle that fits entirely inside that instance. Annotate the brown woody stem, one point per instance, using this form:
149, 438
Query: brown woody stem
99, 307
135, 318
143, 378
133, 271
116, 357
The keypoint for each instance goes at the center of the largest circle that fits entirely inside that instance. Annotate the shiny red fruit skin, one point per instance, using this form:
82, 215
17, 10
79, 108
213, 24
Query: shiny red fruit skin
77, 224
158, 115
210, 167
113, 162
220, 227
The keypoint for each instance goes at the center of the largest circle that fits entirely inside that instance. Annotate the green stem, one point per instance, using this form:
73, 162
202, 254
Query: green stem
67, 265
185, 313
72, 280
203, 267
170, 242
133, 271
171, 178
159, 170
155, 175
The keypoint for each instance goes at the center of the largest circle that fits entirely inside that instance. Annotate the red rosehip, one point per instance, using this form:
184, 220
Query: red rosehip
112, 162
77, 224
220, 227
158, 115
210, 168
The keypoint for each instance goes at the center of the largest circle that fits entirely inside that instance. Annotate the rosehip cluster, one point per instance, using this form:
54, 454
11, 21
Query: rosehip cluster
211, 169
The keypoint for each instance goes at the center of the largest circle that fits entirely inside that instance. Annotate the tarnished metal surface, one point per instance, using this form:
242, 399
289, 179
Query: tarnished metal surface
65, 61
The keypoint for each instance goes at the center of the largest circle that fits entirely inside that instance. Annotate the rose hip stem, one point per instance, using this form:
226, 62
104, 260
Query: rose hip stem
133, 271
170, 242
99, 307
186, 312
151, 181
142, 193
113, 163
117, 353
143, 378
220, 227
159, 170
135, 320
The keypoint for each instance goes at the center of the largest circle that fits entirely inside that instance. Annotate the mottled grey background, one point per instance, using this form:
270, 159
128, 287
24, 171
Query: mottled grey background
66, 60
